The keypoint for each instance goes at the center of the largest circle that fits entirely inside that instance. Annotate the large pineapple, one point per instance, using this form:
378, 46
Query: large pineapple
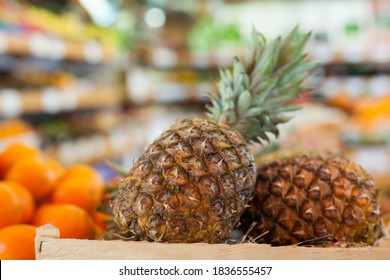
313, 197
193, 183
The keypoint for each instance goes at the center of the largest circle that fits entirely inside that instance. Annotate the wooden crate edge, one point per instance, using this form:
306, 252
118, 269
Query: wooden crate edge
50, 246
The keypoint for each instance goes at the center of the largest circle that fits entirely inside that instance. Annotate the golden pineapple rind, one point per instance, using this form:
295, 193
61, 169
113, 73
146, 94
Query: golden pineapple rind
305, 197
191, 185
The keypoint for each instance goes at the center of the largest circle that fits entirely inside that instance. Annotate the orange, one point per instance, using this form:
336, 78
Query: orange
99, 232
102, 222
71, 220
57, 167
38, 175
27, 200
15, 153
79, 191
11, 210
17, 242
101, 219
385, 206
85, 171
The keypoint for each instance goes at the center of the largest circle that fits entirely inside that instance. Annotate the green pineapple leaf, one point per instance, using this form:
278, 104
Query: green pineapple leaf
253, 96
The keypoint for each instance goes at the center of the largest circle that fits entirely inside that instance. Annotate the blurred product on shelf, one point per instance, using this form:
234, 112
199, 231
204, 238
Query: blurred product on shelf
166, 58
36, 79
13, 128
209, 35
32, 30
51, 100
60, 74
49, 47
153, 86
316, 126
16, 131
95, 147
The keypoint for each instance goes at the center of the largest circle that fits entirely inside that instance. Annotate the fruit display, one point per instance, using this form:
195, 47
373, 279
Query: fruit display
307, 197
194, 181
202, 138
36, 190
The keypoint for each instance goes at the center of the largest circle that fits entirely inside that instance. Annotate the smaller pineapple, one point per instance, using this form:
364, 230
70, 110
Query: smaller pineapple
307, 197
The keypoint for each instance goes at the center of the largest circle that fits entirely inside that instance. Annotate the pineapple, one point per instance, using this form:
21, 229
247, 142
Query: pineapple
193, 183
309, 196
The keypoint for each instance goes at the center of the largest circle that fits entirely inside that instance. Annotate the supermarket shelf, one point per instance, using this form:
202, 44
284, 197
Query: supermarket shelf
377, 86
352, 54
168, 92
55, 100
28, 138
54, 48
375, 160
168, 58
99, 146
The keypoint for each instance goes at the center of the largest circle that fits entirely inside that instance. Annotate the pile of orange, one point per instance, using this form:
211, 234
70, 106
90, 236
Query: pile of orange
35, 191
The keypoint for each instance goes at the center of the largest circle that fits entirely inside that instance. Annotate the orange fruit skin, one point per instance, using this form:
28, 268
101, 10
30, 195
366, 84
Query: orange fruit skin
11, 210
385, 205
56, 167
71, 220
85, 171
100, 219
79, 191
15, 153
17, 242
27, 200
38, 175
99, 232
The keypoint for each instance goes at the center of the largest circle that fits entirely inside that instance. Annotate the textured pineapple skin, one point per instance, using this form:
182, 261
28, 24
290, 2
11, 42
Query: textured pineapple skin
304, 197
192, 184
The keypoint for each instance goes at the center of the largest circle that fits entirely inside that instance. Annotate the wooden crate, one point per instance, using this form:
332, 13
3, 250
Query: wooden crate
48, 245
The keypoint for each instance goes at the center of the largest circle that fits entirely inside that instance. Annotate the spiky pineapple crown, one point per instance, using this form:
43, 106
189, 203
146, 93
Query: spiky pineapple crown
253, 96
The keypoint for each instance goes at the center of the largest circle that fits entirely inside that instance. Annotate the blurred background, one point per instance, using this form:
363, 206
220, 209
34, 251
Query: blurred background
94, 80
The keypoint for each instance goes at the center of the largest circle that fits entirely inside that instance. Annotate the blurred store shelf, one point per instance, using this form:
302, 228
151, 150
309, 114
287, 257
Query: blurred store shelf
54, 48
30, 138
169, 92
169, 58
99, 146
355, 86
14, 102
353, 54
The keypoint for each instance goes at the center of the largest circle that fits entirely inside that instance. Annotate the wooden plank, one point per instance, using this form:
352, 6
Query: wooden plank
48, 247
